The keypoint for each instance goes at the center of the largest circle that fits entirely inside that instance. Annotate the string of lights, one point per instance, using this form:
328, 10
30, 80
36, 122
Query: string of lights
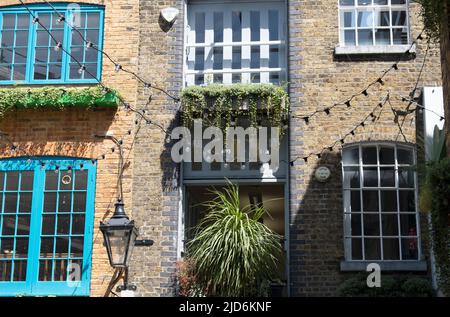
363, 123
117, 66
365, 92
58, 45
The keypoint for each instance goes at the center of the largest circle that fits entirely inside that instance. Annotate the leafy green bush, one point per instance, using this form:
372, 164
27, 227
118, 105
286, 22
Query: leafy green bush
234, 253
417, 287
356, 286
432, 12
439, 180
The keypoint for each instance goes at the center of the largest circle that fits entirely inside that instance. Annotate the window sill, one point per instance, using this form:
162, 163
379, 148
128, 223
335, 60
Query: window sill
374, 50
349, 266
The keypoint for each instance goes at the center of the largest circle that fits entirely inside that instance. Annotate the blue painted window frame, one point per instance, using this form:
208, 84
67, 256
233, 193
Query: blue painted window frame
32, 286
62, 8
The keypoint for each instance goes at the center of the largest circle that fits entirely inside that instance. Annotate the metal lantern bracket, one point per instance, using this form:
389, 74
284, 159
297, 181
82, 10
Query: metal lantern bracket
143, 243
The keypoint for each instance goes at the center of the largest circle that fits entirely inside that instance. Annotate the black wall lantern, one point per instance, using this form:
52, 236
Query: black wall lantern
119, 234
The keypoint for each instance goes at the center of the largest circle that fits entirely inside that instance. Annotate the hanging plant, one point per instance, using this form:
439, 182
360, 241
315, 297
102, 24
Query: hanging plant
217, 104
55, 98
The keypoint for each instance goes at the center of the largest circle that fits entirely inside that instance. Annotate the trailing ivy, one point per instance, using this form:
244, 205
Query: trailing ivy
216, 104
439, 178
56, 98
432, 12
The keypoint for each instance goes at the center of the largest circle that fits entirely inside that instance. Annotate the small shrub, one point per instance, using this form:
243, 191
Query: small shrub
417, 287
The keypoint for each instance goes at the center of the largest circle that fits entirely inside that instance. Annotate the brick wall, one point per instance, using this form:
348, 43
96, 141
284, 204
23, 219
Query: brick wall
318, 78
72, 132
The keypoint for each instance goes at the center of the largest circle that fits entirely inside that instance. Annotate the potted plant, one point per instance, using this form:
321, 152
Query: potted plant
234, 253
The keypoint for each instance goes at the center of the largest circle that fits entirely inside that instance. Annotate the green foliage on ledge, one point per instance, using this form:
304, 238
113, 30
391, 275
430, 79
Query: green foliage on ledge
432, 12
439, 179
55, 98
217, 104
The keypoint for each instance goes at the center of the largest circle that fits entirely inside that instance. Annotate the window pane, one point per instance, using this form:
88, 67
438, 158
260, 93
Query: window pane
273, 25
50, 202
10, 203
79, 202
9, 21
369, 155
91, 71
380, 2
365, 37
387, 155
81, 180
409, 249
236, 78
356, 224
350, 37
200, 27
372, 249
236, 62
348, 19
370, 175
20, 270
7, 38
406, 177
408, 225
382, 37
398, 18
370, 200
274, 56
400, 36
391, 249
351, 177
5, 272
365, 19
92, 36
62, 247
48, 224
45, 270
387, 177
388, 200
371, 224
65, 200
60, 270
93, 20
51, 180
26, 182
407, 200
390, 224
40, 72
237, 26
356, 249
78, 224
255, 57
5, 70
350, 156
218, 27
54, 71
398, 1
364, 2
255, 78
382, 18
274, 78
63, 224
9, 225
25, 202
12, 180
21, 38
255, 26
355, 200
46, 247
76, 249
217, 58
199, 58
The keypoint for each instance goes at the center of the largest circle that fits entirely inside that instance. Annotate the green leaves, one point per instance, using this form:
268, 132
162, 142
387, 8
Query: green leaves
233, 252
432, 12
55, 98
215, 104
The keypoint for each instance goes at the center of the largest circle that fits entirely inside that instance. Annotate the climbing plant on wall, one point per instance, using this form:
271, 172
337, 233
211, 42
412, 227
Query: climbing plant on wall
432, 12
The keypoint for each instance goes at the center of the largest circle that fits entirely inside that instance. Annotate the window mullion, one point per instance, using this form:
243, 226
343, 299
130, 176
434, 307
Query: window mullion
246, 49
361, 180
227, 50
398, 203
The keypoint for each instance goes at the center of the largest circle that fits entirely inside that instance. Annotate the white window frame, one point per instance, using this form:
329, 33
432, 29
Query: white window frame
227, 7
373, 48
347, 203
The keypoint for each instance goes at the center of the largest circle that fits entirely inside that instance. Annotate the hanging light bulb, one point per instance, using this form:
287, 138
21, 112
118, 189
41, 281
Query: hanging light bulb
60, 19
82, 69
117, 68
58, 47
35, 20
89, 44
